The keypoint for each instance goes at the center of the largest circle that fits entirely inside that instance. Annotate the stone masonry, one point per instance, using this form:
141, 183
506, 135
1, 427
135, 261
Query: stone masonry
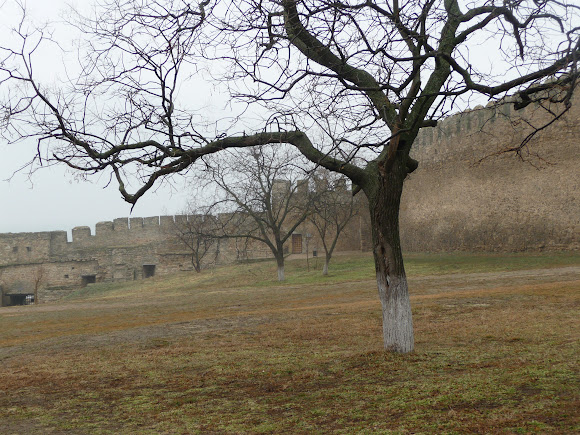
467, 195
48, 264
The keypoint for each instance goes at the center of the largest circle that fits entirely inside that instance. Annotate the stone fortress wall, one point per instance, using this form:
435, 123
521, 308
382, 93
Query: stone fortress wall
457, 201
126, 249
453, 201
121, 250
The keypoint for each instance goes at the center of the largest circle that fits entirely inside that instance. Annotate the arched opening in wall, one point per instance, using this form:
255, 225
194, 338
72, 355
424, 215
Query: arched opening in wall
88, 279
148, 270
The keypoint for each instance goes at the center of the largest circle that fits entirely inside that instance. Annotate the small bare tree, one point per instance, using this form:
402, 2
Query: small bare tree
266, 190
198, 233
38, 280
242, 247
332, 209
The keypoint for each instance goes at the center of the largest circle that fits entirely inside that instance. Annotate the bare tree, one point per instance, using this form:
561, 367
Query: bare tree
38, 279
198, 233
333, 209
378, 72
266, 190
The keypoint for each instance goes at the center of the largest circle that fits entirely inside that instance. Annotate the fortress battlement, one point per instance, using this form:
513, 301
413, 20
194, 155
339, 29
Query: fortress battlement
474, 120
18, 248
483, 131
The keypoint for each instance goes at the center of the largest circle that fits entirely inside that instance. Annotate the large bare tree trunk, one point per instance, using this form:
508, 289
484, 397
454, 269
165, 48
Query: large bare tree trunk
391, 279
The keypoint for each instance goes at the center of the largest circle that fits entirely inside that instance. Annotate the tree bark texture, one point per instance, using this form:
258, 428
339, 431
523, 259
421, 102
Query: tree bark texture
280, 263
384, 203
325, 267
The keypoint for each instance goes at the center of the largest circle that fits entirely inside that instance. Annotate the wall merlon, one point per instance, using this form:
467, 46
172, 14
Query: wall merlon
279, 187
104, 229
136, 223
81, 234
302, 187
58, 238
166, 222
121, 224
150, 222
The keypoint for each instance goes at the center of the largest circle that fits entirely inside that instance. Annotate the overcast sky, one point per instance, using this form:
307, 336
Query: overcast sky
51, 198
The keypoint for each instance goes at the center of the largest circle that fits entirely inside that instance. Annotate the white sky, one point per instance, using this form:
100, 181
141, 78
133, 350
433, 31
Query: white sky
51, 198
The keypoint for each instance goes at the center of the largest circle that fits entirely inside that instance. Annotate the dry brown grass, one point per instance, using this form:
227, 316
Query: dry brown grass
496, 353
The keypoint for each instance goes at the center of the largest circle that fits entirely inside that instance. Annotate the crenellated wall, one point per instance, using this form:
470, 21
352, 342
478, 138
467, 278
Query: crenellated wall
118, 251
122, 250
467, 195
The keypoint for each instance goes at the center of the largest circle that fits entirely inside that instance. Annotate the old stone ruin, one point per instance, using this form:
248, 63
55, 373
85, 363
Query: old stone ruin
48, 264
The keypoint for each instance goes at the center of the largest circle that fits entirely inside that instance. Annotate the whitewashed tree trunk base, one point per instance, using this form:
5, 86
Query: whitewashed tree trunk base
325, 268
398, 333
281, 273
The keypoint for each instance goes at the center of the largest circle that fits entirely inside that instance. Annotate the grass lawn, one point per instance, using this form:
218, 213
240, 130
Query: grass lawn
233, 351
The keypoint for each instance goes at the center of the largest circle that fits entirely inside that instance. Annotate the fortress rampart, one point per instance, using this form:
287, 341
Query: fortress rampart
49, 265
118, 251
465, 195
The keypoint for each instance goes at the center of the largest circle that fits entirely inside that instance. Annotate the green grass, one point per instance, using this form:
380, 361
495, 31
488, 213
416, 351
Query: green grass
343, 268
233, 351
428, 264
